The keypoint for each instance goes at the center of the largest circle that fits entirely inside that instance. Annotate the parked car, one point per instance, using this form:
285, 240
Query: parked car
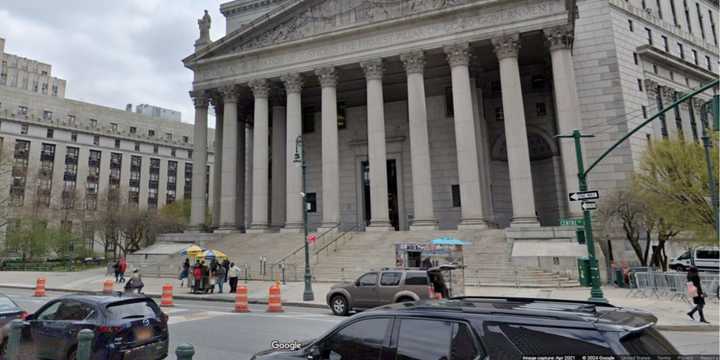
388, 286
471, 328
9, 310
706, 258
126, 327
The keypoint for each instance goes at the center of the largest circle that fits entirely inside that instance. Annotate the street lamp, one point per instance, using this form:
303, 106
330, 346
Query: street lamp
299, 158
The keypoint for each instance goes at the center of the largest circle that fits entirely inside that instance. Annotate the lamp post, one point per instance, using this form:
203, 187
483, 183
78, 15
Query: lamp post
300, 159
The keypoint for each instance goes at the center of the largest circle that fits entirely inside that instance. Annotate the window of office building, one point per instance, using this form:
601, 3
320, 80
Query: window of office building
681, 50
712, 26
151, 133
50, 133
73, 137
649, 36
687, 16
93, 123
47, 115
117, 143
708, 63
96, 140
114, 127
24, 129
666, 47
659, 9
694, 56
186, 139
133, 130
71, 119
630, 25
155, 149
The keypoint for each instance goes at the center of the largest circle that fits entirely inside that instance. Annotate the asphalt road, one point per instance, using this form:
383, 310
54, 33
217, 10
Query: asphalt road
218, 333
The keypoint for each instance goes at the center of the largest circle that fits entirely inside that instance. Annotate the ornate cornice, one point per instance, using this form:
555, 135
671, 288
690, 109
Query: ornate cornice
200, 98
327, 76
413, 62
506, 46
373, 69
293, 83
260, 88
559, 37
458, 54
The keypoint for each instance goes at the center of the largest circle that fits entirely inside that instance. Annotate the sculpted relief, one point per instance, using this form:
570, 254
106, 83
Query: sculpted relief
334, 15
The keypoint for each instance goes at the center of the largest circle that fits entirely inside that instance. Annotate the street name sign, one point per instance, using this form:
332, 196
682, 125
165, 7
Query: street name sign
589, 205
571, 222
584, 195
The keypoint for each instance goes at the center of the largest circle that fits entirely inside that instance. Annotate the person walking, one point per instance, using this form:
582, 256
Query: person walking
220, 278
116, 268
234, 274
184, 272
697, 294
197, 277
122, 267
226, 265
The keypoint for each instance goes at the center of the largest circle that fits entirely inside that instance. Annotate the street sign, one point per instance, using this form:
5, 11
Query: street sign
571, 222
589, 205
584, 195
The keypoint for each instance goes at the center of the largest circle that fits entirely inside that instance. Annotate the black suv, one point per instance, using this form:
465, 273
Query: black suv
470, 328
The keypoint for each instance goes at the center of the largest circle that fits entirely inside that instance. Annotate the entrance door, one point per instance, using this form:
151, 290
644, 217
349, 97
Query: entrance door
393, 213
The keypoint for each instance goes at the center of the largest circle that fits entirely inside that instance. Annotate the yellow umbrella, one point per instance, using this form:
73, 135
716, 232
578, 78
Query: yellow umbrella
192, 250
212, 254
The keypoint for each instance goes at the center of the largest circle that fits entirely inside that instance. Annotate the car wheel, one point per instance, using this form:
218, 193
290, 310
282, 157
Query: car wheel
339, 305
405, 299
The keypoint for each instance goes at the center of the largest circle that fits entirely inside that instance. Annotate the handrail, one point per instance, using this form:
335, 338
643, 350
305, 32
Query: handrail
355, 227
303, 245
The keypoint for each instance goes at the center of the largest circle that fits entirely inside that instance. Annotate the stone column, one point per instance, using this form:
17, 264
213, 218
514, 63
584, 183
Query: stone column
261, 91
293, 178
483, 146
330, 150
228, 182
279, 154
217, 174
471, 209
666, 96
521, 187
199, 202
424, 218
377, 157
241, 165
567, 106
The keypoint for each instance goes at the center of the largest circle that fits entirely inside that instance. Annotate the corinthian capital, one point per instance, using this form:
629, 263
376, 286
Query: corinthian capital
200, 98
229, 93
667, 94
559, 37
414, 62
327, 76
458, 54
697, 104
260, 88
293, 83
651, 87
506, 46
373, 69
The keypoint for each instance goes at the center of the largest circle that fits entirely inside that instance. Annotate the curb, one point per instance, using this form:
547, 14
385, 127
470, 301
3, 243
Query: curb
689, 328
179, 297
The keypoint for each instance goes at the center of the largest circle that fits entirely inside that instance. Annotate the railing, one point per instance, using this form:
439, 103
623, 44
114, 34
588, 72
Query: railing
670, 285
334, 242
322, 235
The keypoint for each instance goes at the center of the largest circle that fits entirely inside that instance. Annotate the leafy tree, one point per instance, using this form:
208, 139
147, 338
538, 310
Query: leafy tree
29, 239
179, 210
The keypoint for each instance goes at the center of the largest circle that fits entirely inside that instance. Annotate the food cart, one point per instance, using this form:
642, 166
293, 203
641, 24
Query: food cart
443, 255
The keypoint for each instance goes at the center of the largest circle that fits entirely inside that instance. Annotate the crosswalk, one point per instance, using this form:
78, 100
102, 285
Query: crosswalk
181, 315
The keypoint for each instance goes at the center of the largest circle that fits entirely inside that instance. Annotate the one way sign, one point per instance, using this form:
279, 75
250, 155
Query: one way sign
590, 205
584, 195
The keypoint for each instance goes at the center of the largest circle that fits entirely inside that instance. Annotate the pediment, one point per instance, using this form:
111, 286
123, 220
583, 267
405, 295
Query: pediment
297, 20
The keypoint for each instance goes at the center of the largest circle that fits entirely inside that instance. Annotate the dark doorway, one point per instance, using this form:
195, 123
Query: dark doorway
392, 192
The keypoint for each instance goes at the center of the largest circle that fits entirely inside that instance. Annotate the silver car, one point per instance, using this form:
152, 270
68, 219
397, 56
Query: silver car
383, 287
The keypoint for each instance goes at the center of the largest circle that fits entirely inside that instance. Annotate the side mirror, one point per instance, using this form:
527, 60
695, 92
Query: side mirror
357, 282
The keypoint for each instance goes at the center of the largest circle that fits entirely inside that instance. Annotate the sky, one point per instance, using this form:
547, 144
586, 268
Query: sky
113, 52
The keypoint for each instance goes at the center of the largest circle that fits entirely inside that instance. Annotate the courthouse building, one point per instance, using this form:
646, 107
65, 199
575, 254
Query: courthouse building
64, 159
426, 114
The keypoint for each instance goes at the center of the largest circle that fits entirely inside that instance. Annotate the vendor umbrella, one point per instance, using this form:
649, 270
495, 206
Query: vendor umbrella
447, 241
192, 250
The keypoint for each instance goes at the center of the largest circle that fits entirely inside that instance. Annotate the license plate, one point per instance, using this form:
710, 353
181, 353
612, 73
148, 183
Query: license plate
143, 334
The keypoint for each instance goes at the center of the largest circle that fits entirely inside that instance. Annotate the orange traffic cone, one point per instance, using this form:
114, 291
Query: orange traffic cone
40, 287
274, 302
166, 299
108, 287
241, 299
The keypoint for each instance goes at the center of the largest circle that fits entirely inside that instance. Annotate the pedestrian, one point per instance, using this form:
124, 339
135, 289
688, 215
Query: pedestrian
212, 280
205, 277
122, 267
135, 283
184, 272
234, 274
197, 277
695, 290
116, 269
220, 278
226, 265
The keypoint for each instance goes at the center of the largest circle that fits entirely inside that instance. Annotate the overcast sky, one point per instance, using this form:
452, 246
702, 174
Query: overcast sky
112, 52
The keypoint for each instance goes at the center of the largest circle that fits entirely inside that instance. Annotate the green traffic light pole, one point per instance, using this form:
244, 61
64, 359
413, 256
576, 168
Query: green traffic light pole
300, 159
595, 291
707, 144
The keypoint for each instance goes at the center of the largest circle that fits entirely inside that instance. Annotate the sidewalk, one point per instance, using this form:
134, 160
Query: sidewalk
670, 314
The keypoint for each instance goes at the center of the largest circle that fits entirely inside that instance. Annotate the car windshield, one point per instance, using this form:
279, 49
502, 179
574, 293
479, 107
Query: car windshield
7, 304
134, 309
648, 342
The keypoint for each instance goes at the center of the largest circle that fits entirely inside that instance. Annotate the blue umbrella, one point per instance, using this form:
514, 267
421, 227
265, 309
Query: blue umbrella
208, 254
447, 241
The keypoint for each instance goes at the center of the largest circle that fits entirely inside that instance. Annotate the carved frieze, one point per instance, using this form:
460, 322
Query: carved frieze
260, 88
506, 46
373, 69
560, 37
414, 62
327, 76
293, 82
200, 98
458, 54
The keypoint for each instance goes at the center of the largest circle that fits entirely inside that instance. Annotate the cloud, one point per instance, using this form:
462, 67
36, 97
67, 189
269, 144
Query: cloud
112, 52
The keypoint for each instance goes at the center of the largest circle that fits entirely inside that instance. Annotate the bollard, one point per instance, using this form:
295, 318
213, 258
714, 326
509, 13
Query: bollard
108, 287
282, 266
184, 352
246, 272
13, 345
167, 297
84, 348
40, 287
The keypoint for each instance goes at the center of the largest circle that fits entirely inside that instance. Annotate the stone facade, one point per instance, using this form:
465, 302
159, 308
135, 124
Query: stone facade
27, 74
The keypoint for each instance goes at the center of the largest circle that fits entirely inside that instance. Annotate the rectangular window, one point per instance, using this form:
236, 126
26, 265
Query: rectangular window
643, 4
22, 110
630, 25
681, 50
54, 90
687, 16
47, 115
712, 26
655, 69
666, 46
117, 143
708, 63
649, 36
73, 137
644, 112
659, 9
168, 136
71, 119
674, 13
455, 190
700, 20
694, 56
151, 133
96, 140
137, 146
24, 129
155, 149
640, 84
311, 202
93, 123
50, 133
114, 127
186, 139
635, 58
133, 129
